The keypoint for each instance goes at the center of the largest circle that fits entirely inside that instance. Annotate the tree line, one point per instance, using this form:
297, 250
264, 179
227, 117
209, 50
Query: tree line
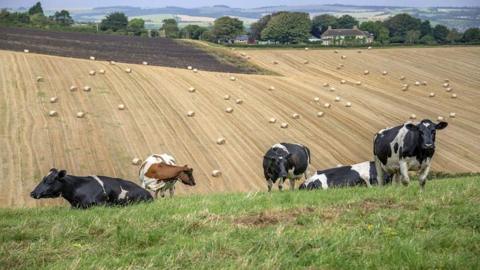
280, 27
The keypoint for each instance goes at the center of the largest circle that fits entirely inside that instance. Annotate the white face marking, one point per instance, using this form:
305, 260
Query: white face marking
123, 194
426, 124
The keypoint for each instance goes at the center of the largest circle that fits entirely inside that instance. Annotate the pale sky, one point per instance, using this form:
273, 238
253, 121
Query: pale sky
57, 4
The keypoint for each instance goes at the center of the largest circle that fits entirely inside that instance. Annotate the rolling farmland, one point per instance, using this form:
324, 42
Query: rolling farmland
157, 100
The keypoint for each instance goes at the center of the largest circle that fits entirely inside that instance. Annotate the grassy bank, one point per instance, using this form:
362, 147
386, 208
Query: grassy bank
357, 228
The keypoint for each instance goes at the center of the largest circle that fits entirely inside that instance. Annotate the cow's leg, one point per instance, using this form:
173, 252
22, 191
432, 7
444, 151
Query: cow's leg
378, 167
292, 183
162, 193
422, 176
269, 185
280, 183
172, 191
404, 172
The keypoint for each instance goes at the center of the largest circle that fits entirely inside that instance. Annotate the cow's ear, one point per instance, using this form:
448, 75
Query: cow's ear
411, 127
53, 170
441, 125
61, 174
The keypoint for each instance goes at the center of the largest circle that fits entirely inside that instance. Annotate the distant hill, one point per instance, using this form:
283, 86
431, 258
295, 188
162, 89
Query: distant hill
453, 17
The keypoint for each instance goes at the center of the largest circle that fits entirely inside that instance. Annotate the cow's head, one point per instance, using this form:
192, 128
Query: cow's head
427, 130
50, 186
277, 166
186, 176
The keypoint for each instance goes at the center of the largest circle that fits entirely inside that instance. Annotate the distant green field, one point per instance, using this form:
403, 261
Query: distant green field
355, 228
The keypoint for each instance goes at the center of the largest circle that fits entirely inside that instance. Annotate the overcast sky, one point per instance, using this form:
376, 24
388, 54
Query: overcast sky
56, 4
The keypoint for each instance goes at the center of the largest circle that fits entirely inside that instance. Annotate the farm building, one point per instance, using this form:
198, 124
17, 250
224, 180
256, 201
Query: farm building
352, 36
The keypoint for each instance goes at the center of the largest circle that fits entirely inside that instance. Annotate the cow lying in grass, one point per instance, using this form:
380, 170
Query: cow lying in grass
160, 173
87, 191
361, 174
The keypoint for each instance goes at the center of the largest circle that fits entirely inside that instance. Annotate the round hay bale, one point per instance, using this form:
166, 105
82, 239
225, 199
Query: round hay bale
417, 83
405, 87
454, 95
275, 62
413, 116
221, 141
232, 78
305, 62
39, 79
343, 81
320, 114
332, 89
284, 125
80, 114
238, 101
73, 88
216, 173
306, 48
136, 161
446, 81
195, 70
336, 51
431, 94
91, 72
369, 48
113, 62
92, 57
191, 89
402, 78
229, 110
145, 63
316, 99
101, 71
128, 70
449, 89
445, 85
440, 118
53, 99
452, 115
226, 97
272, 120
326, 85
424, 83
366, 72
348, 104
295, 116
384, 72
271, 88
87, 88
26, 51
343, 57
337, 99
189, 67
341, 65
327, 105
52, 113
121, 107
190, 113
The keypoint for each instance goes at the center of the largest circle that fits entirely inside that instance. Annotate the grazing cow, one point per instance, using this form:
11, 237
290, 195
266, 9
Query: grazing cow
159, 173
406, 147
285, 160
344, 176
87, 191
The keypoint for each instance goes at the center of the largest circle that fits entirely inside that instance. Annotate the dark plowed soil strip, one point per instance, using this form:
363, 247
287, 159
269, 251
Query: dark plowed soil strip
127, 49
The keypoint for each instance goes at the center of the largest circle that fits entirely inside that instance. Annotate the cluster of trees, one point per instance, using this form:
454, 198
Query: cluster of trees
35, 17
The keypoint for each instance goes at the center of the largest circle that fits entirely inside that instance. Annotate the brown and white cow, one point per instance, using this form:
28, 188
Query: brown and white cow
160, 173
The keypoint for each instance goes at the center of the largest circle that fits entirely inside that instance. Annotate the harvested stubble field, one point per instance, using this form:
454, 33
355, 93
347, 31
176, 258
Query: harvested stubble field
157, 100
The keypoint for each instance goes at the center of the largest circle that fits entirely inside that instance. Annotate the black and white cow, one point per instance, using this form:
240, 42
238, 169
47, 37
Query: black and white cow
285, 160
406, 147
87, 191
361, 174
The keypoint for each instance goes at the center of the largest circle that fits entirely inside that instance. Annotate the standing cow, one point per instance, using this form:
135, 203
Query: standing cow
160, 173
87, 191
406, 147
285, 160
361, 174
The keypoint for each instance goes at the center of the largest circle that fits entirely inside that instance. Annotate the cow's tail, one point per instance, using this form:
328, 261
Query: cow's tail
308, 153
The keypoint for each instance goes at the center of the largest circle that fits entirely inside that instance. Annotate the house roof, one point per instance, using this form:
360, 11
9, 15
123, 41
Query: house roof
344, 32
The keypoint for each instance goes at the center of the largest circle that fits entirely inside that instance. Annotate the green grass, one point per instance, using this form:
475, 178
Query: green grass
353, 228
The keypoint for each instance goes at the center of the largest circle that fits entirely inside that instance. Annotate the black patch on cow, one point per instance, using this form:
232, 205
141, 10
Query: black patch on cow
395, 148
382, 142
